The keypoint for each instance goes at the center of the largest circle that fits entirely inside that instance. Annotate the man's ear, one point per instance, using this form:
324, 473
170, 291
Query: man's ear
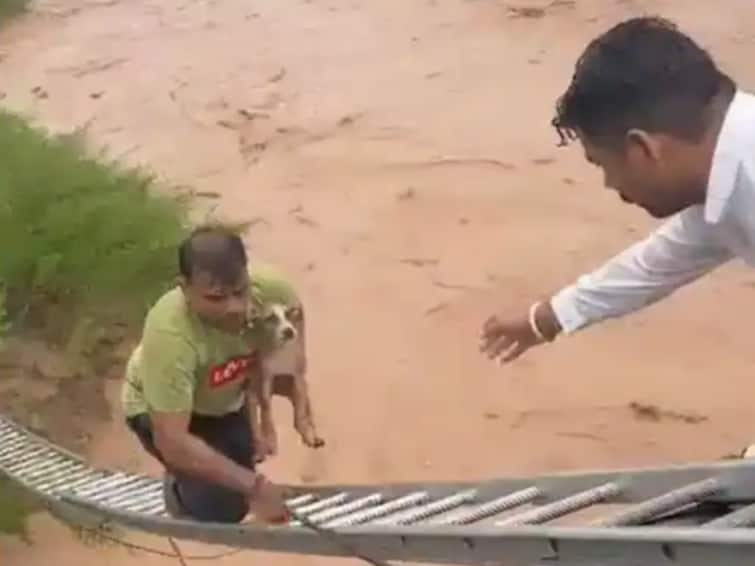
641, 144
182, 282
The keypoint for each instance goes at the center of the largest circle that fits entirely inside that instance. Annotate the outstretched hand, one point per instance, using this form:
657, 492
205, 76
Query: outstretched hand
505, 338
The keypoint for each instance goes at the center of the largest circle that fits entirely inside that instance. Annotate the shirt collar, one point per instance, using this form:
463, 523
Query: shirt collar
734, 142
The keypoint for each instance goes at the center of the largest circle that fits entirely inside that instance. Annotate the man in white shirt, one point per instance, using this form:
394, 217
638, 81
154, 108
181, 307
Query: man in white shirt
674, 135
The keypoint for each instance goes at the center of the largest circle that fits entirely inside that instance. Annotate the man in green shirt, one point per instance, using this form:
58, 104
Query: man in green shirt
187, 383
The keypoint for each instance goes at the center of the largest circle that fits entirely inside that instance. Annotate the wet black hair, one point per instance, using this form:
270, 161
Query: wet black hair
641, 73
215, 250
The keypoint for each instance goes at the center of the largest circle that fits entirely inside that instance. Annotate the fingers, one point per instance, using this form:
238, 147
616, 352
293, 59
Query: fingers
509, 352
491, 334
490, 328
506, 340
494, 348
517, 349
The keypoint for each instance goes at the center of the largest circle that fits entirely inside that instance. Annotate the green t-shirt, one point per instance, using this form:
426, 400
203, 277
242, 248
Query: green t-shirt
184, 365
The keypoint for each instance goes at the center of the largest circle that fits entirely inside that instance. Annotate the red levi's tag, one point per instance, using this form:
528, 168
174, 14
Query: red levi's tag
230, 370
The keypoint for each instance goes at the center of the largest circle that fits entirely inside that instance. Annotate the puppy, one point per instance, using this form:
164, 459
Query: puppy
283, 359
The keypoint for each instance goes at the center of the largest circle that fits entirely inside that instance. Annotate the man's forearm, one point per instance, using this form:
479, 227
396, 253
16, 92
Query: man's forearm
677, 253
191, 455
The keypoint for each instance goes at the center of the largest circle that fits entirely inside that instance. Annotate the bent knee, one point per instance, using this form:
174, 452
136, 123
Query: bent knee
219, 513
214, 505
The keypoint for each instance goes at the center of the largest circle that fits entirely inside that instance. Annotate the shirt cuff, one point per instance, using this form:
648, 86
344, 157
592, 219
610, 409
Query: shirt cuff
564, 305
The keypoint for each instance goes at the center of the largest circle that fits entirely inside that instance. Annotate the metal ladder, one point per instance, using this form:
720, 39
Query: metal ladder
686, 515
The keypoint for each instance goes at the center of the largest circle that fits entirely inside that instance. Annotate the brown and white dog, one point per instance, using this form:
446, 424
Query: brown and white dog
282, 369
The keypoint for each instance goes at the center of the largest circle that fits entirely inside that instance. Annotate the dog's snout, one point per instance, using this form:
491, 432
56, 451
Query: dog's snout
288, 333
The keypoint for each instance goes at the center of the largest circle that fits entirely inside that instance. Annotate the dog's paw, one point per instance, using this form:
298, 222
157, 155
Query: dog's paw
265, 446
270, 446
269, 438
312, 440
261, 451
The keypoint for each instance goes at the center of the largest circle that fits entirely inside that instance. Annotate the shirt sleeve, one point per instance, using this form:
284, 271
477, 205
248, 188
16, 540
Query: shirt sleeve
168, 367
678, 252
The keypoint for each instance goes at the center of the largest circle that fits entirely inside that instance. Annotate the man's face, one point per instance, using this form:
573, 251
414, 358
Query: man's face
221, 305
643, 172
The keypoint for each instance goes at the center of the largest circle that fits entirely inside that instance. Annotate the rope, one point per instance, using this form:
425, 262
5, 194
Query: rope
182, 558
333, 538
177, 550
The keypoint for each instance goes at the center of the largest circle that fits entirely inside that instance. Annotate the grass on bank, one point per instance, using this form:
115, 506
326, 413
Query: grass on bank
15, 506
80, 238
83, 243
10, 8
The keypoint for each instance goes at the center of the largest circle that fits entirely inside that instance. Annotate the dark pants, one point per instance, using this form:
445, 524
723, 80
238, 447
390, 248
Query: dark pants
230, 435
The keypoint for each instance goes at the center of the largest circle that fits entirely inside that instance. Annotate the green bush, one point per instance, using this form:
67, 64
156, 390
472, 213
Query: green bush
15, 507
11, 8
80, 237
4, 324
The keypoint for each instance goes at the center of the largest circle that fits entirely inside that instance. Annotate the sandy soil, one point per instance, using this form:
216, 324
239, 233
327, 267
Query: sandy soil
398, 161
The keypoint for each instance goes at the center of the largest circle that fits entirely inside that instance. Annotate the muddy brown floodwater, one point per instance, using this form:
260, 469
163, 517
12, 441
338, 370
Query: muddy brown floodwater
398, 162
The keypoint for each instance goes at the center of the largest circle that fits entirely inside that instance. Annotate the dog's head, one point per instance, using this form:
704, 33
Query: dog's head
278, 320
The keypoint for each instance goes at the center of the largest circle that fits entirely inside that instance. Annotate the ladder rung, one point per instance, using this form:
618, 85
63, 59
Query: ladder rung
156, 508
433, 508
744, 517
18, 456
345, 509
300, 500
17, 449
380, 511
139, 482
564, 506
7, 436
48, 469
59, 485
21, 456
120, 496
336, 499
63, 481
149, 501
105, 483
485, 510
14, 435
646, 510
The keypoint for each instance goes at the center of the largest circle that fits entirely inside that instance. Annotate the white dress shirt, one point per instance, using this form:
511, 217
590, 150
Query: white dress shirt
685, 247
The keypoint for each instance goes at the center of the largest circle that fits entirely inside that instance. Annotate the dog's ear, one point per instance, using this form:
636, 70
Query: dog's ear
294, 313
